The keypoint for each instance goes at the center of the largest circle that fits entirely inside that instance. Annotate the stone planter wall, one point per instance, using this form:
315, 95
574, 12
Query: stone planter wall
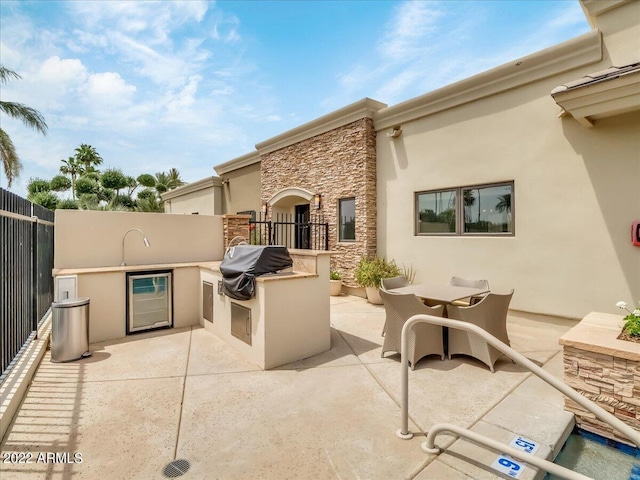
603, 369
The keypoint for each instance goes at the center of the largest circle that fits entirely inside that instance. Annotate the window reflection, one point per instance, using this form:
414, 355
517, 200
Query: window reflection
487, 209
347, 219
437, 212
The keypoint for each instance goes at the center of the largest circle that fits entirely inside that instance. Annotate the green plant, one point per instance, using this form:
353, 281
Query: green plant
335, 275
370, 271
409, 273
632, 320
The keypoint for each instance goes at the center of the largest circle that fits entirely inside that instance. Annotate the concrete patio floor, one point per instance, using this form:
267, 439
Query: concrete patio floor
144, 401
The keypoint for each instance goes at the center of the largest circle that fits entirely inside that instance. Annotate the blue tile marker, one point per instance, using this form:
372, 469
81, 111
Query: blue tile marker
514, 467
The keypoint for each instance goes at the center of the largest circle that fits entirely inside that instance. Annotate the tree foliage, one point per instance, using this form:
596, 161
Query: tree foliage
46, 199
37, 185
114, 179
92, 189
88, 156
85, 186
29, 116
60, 183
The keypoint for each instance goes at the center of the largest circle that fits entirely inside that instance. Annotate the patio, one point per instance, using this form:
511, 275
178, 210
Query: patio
142, 402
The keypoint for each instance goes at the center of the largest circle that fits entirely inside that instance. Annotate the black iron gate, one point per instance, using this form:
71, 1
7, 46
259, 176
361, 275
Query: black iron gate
301, 230
26, 263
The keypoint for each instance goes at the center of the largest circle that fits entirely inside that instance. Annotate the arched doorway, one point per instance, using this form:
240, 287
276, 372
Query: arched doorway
291, 214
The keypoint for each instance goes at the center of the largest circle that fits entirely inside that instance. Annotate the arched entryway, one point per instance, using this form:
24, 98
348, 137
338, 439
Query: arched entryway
291, 213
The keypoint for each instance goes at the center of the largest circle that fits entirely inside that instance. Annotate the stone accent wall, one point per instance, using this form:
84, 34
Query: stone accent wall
336, 164
604, 369
235, 226
612, 383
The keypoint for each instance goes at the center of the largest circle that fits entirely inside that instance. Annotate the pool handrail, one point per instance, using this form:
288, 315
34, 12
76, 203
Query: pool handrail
565, 389
542, 463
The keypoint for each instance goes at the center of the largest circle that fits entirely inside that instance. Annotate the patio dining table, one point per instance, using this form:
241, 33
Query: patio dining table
440, 293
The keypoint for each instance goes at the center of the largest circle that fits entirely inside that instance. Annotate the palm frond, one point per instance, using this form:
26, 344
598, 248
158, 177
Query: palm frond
6, 74
10, 161
29, 116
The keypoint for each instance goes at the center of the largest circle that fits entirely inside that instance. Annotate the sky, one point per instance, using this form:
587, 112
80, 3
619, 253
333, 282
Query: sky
192, 84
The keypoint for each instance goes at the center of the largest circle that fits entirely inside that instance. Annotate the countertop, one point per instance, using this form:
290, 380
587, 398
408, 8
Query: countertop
212, 265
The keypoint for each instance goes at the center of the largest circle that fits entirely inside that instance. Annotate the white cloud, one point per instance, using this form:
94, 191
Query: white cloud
109, 88
407, 34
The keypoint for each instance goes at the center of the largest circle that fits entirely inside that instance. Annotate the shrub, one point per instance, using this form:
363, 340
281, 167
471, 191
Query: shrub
60, 183
370, 272
46, 199
335, 275
87, 186
68, 204
37, 185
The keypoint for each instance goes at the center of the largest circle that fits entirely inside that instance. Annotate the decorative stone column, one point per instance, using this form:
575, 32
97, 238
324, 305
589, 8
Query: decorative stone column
235, 226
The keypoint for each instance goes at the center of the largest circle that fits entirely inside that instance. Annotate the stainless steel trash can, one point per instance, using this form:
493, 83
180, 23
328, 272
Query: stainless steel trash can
70, 330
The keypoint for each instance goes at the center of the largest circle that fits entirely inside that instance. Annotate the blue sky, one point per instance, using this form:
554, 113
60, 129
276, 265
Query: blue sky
191, 84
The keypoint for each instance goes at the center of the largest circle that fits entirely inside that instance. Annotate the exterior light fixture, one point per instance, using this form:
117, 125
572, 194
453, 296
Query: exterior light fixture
395, 132
144, 239
264, 208
317, 201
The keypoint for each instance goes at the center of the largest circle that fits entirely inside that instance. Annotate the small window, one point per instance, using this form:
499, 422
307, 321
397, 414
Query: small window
470, 210
248, 212
347, 220
436, 212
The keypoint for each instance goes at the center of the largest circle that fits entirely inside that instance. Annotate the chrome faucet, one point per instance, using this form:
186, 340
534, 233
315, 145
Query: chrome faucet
144, 239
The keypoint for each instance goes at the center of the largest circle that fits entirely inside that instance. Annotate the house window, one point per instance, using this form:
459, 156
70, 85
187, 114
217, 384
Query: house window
470, 210
347, 220
436, 212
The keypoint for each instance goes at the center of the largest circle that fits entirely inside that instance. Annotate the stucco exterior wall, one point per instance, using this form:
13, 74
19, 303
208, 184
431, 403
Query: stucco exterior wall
337, 164
86, 239
242, 191
203, 202
576, 194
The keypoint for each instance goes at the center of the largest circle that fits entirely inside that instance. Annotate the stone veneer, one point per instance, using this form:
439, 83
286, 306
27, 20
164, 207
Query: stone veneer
603, 369
235, 226
337, 164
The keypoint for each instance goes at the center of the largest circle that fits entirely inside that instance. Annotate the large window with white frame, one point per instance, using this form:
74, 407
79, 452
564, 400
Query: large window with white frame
470, 210
347, 220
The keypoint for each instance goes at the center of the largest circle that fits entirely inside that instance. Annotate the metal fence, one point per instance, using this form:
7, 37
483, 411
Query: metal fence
293, 231
26, 263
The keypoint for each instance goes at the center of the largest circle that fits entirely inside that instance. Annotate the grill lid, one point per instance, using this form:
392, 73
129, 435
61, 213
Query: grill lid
243, 263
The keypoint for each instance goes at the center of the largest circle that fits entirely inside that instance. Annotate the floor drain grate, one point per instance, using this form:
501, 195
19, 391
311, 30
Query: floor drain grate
176, 468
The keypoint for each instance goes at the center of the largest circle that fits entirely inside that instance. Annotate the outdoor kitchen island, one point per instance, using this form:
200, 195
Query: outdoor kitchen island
288, 318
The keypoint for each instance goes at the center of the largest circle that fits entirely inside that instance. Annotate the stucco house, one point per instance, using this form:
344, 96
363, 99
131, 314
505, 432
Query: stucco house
527, 175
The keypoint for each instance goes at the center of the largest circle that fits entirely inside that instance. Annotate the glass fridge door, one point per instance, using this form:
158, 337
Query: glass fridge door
149, 301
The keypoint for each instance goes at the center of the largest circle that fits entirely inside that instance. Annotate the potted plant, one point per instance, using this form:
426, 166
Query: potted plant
335, 283
369, 273
631, 329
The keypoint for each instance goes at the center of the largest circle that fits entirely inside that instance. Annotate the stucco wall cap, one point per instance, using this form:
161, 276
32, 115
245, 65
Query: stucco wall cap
201, 184
365, 108
580, 51
237, 163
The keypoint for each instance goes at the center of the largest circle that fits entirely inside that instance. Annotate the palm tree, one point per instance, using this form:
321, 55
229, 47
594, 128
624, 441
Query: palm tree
29, 116
504, 205
73, 168
88, 156
174, 179
168, 180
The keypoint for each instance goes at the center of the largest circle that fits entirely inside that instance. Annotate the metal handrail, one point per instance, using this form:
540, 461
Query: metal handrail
566, 390
429, 447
